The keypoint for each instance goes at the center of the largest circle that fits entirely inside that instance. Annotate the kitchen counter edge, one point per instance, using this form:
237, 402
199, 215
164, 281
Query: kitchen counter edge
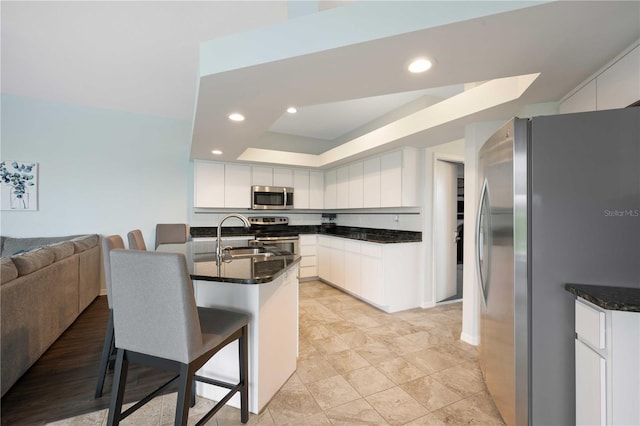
611, 298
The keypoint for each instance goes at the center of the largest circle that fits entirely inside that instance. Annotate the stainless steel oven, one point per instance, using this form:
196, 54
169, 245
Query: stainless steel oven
273, 231
289, 244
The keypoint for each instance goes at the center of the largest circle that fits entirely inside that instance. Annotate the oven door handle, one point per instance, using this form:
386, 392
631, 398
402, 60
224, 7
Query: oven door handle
277, 239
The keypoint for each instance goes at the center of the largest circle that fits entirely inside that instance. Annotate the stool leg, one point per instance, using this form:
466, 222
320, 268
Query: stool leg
184, 394
243, 349
107, 349
117, 392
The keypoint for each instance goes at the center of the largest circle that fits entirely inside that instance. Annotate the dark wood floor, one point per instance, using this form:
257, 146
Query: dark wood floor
62, 382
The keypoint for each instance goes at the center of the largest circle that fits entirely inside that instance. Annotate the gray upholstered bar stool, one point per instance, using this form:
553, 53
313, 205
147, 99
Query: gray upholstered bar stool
157, 323
136, 240
108, 348
171, 233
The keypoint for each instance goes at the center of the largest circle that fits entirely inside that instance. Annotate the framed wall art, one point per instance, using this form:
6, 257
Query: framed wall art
18, 185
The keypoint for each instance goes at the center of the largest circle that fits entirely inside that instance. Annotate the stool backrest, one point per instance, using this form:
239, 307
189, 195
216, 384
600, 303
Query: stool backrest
168, 233
154, 307
109, 243
136, 240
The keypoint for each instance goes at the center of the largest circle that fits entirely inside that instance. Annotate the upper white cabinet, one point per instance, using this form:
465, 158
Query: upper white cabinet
581, 101
301, 190
283, 177
316, 189
388, 180
330, 190
262, 176
237, 186
208, 184
619, 85
371, 183
356, 186
342, 187
391, 179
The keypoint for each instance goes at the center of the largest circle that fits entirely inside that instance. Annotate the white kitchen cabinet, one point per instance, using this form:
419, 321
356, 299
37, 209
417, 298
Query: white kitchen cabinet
273, 336
262, 176
324, 257
208, 184
283, 177
372, 279
591, 386
237, 186
316, 189
391, 179
619, 85
308, 256
607, 351
342, 187
353, 267
356, 182
384, 275
371, 183
582, 100
337, 262
301, 190
330, 192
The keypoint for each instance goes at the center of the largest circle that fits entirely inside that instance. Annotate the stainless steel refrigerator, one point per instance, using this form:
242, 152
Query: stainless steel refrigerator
559, 202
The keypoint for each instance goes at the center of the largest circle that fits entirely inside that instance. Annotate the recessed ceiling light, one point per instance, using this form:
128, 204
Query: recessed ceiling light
236, 117
419, 65
216, 152
292, 110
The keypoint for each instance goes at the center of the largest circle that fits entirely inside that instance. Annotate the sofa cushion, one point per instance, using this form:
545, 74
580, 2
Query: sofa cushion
8, 270
85, 242
31, 261
62, 250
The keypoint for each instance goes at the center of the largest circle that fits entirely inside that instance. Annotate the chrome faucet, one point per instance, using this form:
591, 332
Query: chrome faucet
219, 248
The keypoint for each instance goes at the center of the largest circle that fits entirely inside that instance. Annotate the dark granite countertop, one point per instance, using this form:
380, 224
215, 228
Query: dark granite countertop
203, 263
374, 235
612, 298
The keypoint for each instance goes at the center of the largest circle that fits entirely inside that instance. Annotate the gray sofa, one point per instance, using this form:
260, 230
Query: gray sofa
45, 283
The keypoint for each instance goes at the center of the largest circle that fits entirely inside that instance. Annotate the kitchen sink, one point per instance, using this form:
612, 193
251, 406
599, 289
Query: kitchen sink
236, 252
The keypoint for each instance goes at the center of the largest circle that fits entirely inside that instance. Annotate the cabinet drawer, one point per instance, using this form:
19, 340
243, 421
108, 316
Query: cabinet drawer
307, 239
590, 325
307, 261
308, 250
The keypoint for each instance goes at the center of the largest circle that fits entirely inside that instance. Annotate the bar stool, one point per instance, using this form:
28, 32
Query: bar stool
108, 348
157, 323
168, 233
136, 240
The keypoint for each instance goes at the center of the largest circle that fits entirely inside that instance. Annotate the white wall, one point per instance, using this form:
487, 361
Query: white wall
454, 150
100, 171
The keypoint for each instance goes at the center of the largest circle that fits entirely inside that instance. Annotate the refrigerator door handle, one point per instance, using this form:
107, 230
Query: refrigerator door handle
482, 254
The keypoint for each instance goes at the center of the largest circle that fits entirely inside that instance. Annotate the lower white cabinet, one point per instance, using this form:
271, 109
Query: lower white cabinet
607, 351
308, 256
384, 275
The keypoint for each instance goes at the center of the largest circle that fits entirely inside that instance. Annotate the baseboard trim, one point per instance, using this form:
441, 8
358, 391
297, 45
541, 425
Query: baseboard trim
467, 338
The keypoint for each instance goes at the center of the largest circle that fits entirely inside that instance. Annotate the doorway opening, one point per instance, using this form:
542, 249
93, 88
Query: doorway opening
448, 230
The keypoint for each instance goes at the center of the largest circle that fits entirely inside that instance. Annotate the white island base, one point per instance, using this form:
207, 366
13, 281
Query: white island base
273, 336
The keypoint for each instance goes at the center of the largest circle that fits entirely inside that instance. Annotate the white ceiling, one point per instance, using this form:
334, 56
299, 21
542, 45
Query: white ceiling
143, 57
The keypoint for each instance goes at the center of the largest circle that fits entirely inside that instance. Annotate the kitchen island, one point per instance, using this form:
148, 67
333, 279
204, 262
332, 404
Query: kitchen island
264, 285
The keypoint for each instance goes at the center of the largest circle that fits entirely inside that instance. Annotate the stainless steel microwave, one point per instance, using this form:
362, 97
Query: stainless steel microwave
271, 197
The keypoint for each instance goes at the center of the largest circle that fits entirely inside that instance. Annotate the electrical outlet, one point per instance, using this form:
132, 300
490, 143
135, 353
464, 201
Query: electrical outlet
396, 218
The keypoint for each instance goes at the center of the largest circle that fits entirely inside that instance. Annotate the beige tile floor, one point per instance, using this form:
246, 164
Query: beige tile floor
360, 366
